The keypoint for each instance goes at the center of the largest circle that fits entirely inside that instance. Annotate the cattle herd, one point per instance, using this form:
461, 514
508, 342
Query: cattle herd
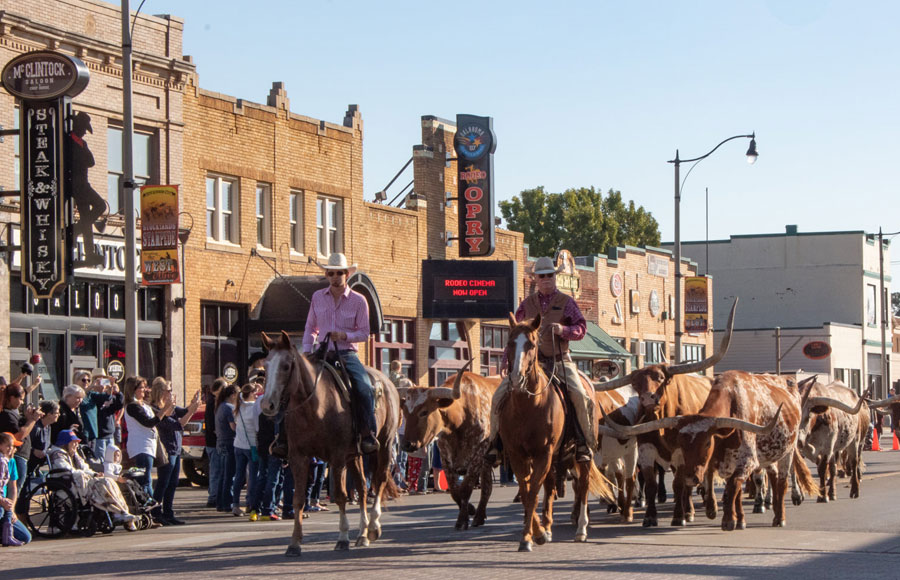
737, 428
734, 429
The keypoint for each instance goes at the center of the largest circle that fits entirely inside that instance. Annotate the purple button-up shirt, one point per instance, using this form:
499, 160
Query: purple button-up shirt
574, 331
350, 314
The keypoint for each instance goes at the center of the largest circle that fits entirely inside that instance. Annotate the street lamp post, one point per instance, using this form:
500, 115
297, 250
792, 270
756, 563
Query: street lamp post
751, 158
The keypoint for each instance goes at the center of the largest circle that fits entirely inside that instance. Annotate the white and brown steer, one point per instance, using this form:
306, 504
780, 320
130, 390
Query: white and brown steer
748, 422
834, 424
459, 415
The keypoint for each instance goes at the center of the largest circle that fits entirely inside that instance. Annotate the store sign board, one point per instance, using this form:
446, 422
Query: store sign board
468, 289
159, 234
817, 350
696, 304
475, 144
45, 75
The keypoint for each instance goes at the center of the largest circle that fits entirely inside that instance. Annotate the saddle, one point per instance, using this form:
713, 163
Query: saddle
330, 361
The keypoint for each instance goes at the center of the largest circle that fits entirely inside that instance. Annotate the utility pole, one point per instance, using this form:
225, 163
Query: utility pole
885, 377
131, 334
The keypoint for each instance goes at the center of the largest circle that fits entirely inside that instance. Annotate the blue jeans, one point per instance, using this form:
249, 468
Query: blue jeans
20, 532
287, 497
314, 484
167, 477
362, 387
270, 482
399, 471
215, 473
145, 462
243, 463
100, 446
22, 468
226, 457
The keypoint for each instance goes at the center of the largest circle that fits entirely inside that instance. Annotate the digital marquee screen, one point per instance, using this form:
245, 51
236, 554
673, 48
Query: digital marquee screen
460, 289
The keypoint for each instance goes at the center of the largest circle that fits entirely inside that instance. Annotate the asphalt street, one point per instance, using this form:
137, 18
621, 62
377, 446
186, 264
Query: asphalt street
843, 539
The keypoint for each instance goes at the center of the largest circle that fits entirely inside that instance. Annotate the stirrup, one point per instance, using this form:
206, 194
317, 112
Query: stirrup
583, 453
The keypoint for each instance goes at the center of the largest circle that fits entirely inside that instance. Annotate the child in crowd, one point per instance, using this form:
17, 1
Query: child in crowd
6, 502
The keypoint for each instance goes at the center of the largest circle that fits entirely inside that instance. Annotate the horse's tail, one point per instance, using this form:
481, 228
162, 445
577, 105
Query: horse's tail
600, 486
391, 491
805, 479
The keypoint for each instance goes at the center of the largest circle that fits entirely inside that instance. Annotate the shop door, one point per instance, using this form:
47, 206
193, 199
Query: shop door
53, 365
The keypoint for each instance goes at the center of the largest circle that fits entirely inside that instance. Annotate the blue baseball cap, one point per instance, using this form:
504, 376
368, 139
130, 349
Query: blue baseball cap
65, 437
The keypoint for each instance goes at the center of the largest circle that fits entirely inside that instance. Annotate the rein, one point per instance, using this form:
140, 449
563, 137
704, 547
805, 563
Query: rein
286, 397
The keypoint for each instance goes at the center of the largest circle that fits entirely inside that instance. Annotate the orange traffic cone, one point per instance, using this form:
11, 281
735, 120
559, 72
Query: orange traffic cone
896, 445
875, 445
442, 481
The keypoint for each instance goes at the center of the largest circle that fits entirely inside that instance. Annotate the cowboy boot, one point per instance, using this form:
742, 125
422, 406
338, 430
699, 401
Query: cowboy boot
492, 456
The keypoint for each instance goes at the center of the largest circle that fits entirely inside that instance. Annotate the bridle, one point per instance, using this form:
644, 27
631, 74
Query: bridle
285, 398
521, 384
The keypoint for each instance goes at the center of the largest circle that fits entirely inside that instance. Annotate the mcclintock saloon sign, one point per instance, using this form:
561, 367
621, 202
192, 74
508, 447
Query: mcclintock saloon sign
475, 144
43, 81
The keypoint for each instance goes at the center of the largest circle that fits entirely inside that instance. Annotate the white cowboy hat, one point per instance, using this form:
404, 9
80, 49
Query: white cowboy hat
544, 265
338, 261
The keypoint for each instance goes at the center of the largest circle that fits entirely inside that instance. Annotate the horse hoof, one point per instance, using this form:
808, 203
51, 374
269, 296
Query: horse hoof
661, 498
650, 522
518, 498
478, 521
549, 535
832, 497
342, 545
362, 542
292, 552
821, 499
471, 509
728, 526
690, 517
581, 538
374, 534
796, 499
854, 495
525, 546
758, 509
779, 524
742, 525
678, 522
711, 513
540, 540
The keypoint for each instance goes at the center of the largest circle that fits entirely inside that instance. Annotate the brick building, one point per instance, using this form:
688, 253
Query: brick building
265, 193
84, 327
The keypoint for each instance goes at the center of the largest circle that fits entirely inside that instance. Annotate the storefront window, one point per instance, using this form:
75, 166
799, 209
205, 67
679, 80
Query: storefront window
396, 342
52, 367
84, 345
493, 341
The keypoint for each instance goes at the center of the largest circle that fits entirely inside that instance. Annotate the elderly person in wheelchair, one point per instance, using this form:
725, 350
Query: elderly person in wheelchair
91, 487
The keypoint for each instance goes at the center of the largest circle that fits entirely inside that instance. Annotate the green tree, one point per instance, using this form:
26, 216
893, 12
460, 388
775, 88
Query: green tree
580, 220
895, 303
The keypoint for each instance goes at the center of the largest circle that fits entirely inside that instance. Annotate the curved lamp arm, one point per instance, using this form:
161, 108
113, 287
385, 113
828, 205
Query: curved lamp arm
750, 151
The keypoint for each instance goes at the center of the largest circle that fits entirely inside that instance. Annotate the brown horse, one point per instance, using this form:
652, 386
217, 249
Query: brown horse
532, 421
319, 424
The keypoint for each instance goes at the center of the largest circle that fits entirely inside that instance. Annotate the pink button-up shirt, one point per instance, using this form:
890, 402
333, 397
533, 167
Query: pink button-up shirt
350, 314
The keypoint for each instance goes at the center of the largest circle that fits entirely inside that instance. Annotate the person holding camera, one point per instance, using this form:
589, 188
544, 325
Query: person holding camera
171, 432
105, 399
141, 420
12, 398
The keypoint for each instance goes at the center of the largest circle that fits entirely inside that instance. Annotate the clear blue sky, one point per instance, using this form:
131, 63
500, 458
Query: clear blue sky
599, 94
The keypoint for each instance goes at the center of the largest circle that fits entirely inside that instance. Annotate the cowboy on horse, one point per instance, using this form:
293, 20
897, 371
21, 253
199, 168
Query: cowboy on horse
341, 316
561, 323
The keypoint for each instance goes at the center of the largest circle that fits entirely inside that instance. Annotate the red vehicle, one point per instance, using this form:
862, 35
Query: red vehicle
194, 461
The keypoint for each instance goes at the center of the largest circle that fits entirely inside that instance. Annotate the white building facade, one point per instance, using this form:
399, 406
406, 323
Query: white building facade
801, 288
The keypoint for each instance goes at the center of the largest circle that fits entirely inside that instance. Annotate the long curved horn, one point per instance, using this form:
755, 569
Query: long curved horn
627, 431
808, 391
829, 402
734, 423
696, 367
441, 393
885, 402
457, 393
609, 432
613, 383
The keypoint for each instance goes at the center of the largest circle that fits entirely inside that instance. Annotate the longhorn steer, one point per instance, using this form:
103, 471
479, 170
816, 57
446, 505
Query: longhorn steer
833, 425
893, 405
458, 414
666, 391
618, 458
748, 422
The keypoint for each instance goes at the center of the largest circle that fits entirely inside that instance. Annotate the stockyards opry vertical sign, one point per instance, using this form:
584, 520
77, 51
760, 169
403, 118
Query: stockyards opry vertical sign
159, 234
475, 144
43, 82
696, 304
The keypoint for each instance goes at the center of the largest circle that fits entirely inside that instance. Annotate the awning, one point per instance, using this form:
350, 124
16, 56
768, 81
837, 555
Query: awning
597, 344
285, 303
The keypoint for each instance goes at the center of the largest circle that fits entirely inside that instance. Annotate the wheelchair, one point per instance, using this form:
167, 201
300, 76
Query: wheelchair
54, 509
